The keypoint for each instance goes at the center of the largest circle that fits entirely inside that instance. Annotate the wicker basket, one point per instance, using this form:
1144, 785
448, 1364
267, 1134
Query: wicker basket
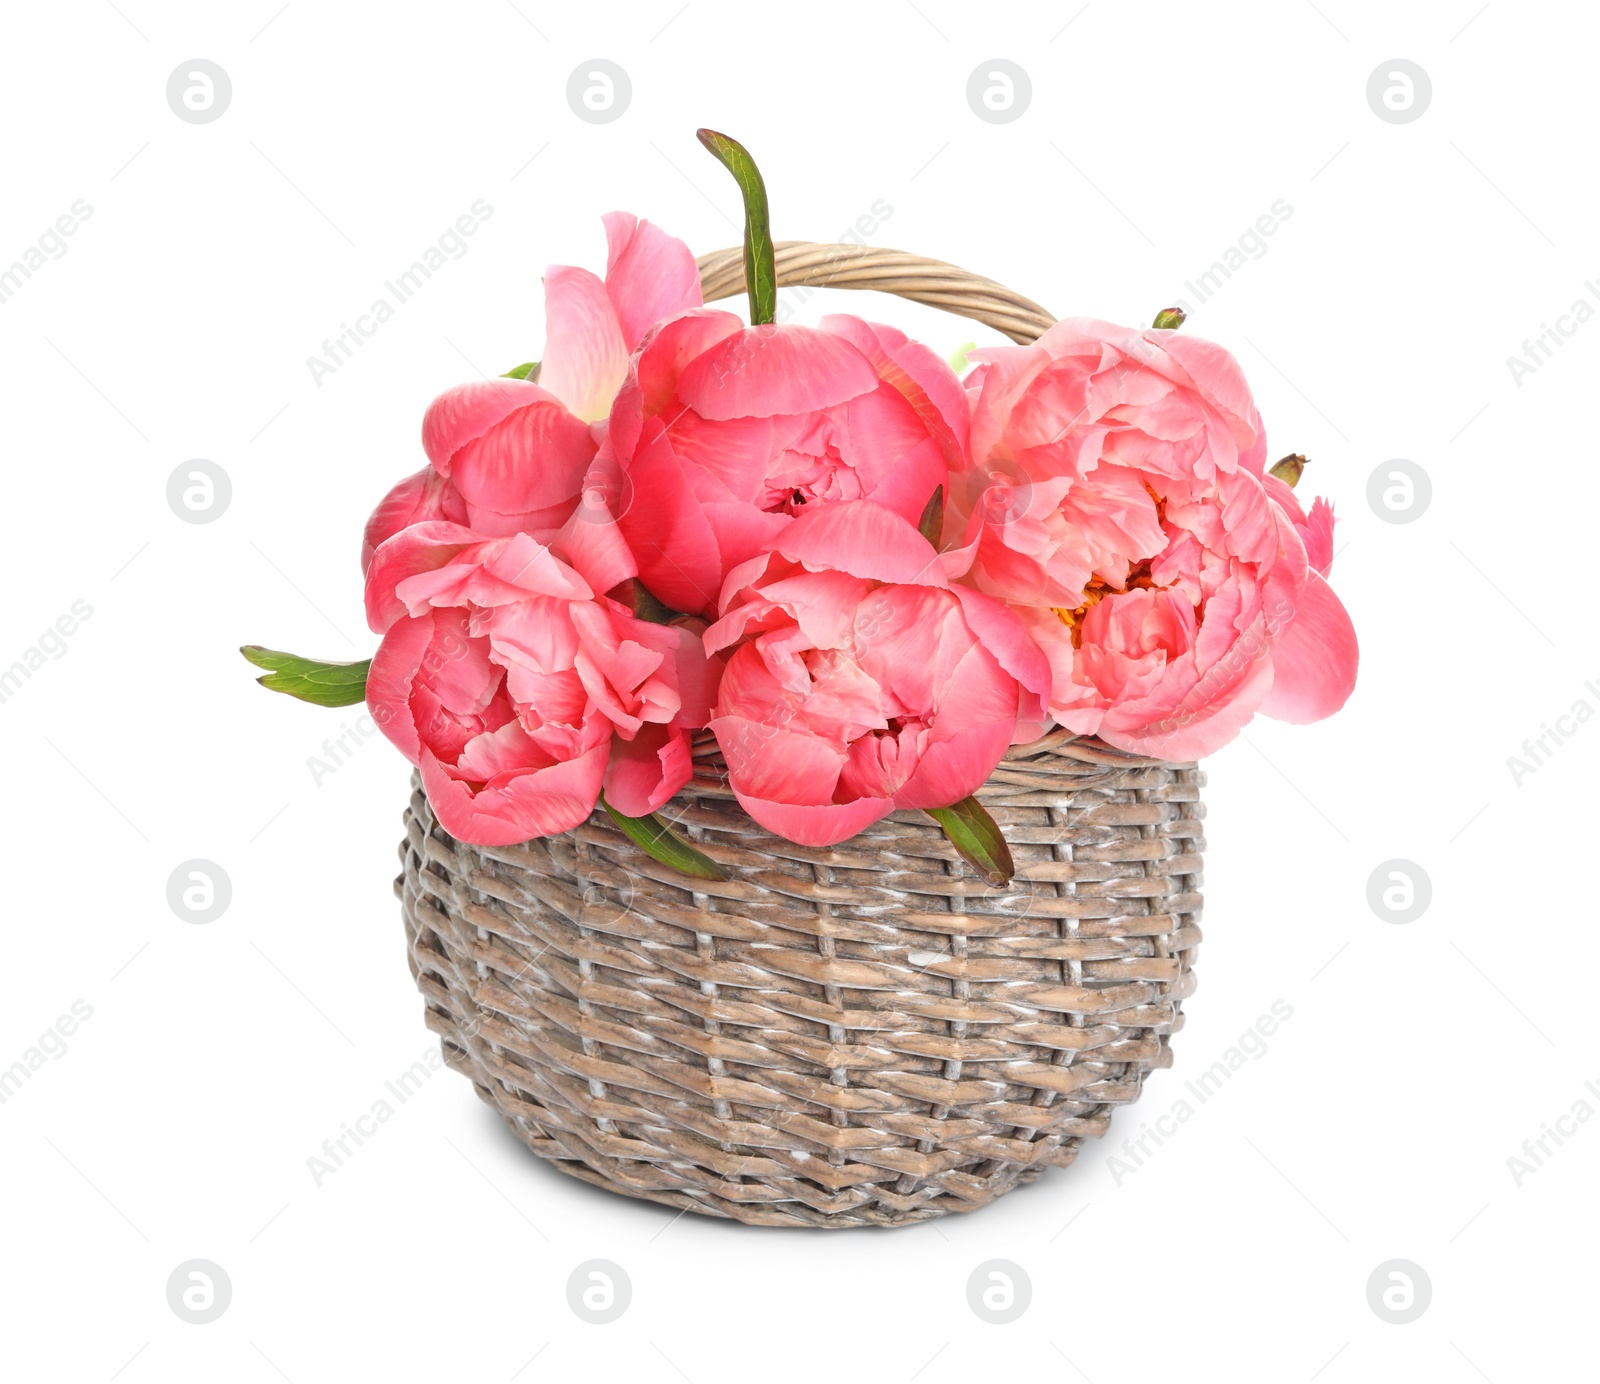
864, 1034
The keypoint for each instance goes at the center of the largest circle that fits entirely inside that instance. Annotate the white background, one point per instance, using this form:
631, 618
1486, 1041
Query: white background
1419, 1057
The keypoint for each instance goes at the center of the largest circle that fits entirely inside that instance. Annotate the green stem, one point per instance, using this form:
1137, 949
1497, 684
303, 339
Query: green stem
760, 274
656, 839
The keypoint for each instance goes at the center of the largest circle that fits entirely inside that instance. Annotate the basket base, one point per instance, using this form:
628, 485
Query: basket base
839, 1217
747, 1202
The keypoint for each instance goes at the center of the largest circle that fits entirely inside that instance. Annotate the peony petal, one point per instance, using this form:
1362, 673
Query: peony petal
767, 760
1314, 661
864, 539
531, 460
542, 802
825, 825
1184, 735
389, 678
1217, 375
646, 771
592, 544
929, 385
1250, 521
736, 453
953, 769
470, 410
770, 369
617, 671
1317, 535
415, 500
585, 358
535, 634
652, 379
494, 524
1254, 457
698, 674
531, 568
908, 485
1003, 634
462, 679
1001, 380
499, 754
650, 275
419, 548
672, 540
742, 533
1213, 711
824, 605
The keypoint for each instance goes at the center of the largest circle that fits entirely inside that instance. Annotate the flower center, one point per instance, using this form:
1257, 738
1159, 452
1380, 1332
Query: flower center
799, 478
1097, 590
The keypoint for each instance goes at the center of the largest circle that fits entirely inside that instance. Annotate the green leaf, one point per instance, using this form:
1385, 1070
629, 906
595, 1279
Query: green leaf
958, 361
325, 684
1289, 470
1170, 319
529, 370
760, 275
977, 839
931, 525
656, 839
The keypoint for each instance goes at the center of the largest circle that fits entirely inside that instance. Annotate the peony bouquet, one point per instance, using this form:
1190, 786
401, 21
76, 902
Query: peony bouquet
865, 576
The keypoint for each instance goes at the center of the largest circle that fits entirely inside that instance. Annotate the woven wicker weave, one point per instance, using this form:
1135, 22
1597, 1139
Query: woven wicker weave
865, 1034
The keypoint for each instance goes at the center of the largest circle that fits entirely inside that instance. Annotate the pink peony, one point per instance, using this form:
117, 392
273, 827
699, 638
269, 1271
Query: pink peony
1315, 529
1117, 501
519, 688
727, 432
512, 456
862, 681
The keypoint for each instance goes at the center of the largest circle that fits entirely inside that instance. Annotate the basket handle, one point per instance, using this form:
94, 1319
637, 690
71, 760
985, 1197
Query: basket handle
922, 280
